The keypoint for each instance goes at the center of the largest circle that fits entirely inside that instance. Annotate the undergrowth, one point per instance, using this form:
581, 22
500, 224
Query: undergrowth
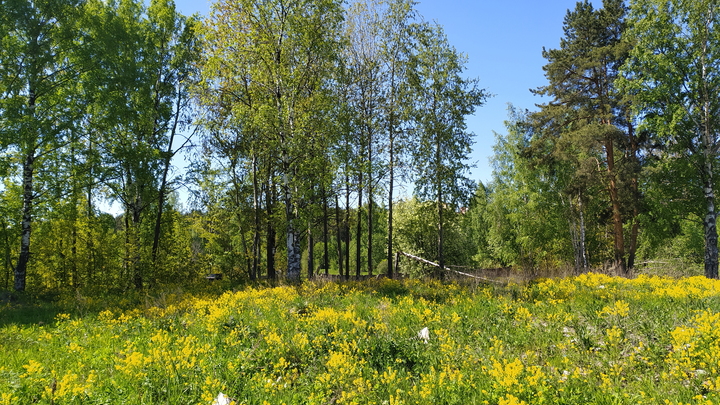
588, 339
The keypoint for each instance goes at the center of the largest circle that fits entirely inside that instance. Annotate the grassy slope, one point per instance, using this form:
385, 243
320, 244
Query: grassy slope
591, 339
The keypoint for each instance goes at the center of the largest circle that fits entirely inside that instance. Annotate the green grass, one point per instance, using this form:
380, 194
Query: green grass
590, 339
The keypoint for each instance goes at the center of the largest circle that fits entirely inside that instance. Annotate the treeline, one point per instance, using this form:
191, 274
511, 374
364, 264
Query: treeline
621, 164
304, 123
300, 118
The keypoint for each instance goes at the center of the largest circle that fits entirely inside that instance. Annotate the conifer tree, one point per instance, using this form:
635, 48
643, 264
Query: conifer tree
588, 120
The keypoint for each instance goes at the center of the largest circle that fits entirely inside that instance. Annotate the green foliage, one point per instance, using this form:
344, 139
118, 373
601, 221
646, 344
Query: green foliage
528, 211
566, 341
417, 234
443, 99
304, 104
588, 127
674, 74
267, 85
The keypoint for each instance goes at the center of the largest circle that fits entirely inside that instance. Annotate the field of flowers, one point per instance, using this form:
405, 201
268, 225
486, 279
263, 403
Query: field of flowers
589, 339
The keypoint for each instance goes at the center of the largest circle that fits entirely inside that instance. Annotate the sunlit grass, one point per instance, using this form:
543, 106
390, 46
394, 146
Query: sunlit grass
589, 339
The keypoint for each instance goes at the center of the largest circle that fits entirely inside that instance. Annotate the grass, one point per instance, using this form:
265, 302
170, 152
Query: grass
589, 339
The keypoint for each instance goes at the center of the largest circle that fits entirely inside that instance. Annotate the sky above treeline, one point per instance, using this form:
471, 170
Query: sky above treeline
503, 42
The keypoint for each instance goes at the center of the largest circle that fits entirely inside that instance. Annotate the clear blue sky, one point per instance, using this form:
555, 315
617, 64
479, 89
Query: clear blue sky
503, 41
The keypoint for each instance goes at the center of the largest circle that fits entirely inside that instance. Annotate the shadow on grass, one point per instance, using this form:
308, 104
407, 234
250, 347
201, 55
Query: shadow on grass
40, 308
27, 308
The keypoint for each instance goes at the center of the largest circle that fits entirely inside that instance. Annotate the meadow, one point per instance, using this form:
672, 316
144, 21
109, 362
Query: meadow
591, 339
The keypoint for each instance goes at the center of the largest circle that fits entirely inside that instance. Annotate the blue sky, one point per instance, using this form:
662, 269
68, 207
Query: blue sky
503, 41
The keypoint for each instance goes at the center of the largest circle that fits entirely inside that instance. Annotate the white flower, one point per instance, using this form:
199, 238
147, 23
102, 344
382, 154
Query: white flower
424, 334
222, 399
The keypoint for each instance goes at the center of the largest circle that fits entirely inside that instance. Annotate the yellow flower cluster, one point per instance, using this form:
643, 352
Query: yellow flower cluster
694, 355
587, 339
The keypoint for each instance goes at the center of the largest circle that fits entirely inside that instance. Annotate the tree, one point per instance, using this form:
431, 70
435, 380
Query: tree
395, 48
417, 234
532, 213
178, 47
270, 61
588, 119
36, 80
364, 62
674, 74
443, 98
138, 103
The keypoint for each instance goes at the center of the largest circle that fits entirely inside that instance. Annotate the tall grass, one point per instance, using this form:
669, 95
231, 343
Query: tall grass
589, 339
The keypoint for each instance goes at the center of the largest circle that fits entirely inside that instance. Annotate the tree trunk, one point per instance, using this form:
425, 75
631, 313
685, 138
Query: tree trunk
710, 225
132, 244
74, 277
347, 227
370, 234
243, 241
338, 227
577, 233
90, 217
162, 193
709, 147
370, 205
292, 241
326, 234
619, 241
8, 259
293, 251
28, 199
358, 235
136, 264
441, 228
391, 180
270, 230
256, 221
583, 246
635, 189
90, 269
311, 252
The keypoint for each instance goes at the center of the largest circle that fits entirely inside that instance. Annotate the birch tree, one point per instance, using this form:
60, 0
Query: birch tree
443, 98
674, 74
37, 73
281, 54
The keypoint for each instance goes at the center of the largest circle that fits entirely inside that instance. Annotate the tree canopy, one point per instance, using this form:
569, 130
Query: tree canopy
275, 138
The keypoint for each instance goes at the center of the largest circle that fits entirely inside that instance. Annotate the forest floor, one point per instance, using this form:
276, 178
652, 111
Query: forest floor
577, 340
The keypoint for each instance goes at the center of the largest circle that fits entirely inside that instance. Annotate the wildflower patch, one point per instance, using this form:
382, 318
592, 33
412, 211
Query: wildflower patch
588, 339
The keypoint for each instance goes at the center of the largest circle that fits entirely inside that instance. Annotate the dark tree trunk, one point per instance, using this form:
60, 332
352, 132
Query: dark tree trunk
162, 195
271, 235
710, 223
358, 235
338, 227
26, 227
635, 190
370, 206
391, 184
618, 238
326, 234
256, 221
346, 227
